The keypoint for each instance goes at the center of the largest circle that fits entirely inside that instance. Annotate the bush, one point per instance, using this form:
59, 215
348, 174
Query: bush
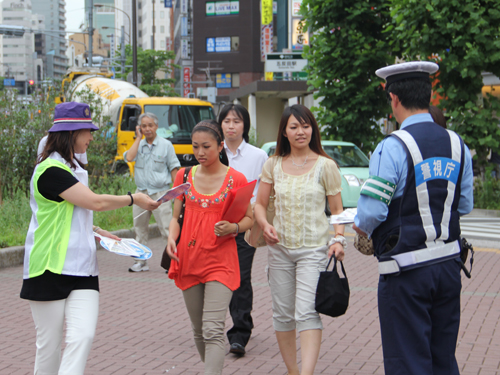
23, 123
487, 192
15, 212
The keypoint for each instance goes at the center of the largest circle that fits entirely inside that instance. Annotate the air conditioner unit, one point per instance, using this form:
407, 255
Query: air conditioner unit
191, 95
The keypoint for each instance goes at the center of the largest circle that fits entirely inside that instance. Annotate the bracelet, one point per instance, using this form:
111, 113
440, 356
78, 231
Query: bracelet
131, 198
237, 230
339, 234
96, 228
340, 239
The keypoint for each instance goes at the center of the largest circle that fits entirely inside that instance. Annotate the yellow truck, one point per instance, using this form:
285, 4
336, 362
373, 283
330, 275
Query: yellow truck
124, 103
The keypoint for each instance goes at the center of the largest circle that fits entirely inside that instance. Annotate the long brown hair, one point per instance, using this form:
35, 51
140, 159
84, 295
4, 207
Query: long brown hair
63, 143
304, 116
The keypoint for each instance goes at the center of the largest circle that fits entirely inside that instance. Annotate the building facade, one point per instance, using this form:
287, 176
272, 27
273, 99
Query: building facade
226, 45
53, 41
19, 60
153, 24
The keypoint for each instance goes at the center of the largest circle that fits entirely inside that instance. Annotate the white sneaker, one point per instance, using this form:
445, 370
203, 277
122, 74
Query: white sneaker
138, 267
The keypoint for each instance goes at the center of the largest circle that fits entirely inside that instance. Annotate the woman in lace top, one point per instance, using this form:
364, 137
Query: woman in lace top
303, 177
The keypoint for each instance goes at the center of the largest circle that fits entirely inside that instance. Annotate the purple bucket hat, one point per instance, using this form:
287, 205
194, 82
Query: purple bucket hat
72, 116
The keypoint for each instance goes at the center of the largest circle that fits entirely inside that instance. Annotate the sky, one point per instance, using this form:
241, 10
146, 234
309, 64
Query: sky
75, 14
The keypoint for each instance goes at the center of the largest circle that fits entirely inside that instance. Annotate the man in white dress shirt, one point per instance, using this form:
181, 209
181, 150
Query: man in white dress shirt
247, 159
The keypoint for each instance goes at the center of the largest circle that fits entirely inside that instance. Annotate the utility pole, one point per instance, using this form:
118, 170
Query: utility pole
91, 31
134, 42
122, 49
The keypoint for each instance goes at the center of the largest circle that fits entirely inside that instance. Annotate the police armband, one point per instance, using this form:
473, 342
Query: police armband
379, 189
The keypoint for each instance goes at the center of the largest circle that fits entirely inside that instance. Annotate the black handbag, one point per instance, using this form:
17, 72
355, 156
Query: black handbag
165, 259
332, 292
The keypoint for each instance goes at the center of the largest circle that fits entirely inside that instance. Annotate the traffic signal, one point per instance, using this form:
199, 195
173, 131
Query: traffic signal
31, 82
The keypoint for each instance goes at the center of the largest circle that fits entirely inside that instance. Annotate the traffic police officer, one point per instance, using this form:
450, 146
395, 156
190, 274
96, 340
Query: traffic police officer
420, 183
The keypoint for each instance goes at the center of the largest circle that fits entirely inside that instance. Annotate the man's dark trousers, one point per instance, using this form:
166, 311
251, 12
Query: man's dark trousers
241, 303
419, 312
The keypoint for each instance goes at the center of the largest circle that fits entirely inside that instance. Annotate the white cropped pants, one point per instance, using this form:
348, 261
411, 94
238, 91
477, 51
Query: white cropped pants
80, 311
293, 278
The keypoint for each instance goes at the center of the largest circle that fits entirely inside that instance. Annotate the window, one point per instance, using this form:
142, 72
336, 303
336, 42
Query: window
235, 79
162, 44
139, 19
162, 15
162, 29
235, 43
139, 5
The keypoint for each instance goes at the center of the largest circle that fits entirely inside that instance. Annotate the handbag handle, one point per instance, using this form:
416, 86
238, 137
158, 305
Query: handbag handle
335, 265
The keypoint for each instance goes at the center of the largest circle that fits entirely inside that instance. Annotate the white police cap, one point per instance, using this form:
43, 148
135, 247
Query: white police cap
412, 69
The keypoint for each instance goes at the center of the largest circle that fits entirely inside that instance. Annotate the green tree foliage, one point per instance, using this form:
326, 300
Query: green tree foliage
463, 37
347, 45
23, 123
25, 120
149, 63
102, 149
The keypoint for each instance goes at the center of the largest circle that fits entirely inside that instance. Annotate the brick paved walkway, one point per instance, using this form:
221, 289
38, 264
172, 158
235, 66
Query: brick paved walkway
163, 344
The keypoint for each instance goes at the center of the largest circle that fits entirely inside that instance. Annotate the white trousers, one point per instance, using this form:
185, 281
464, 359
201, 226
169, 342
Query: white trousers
293, 278
80, 311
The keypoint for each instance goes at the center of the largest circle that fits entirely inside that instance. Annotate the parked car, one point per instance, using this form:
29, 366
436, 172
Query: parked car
353, 165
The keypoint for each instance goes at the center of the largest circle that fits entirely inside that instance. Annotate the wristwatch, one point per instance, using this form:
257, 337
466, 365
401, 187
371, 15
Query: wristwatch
339, 239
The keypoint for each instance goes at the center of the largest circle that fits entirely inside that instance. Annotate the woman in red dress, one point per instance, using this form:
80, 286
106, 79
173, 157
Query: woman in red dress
205, 268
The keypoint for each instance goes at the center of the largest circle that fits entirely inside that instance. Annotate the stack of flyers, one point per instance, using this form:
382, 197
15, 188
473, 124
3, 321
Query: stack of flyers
171, 194
127, 247
346, 217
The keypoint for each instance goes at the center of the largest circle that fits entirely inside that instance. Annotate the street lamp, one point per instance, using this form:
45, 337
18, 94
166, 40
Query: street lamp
132, 28
109, 27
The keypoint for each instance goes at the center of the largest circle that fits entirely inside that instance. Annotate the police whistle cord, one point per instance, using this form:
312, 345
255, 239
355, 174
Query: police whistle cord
464, 253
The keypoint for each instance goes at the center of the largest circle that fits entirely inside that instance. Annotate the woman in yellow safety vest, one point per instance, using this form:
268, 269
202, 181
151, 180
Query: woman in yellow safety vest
60, 263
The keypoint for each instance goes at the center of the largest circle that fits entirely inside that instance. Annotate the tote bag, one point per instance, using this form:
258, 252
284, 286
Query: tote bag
332, 292
255, 235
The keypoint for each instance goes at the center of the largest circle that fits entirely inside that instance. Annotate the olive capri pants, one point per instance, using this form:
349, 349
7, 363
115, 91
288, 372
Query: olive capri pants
207, 305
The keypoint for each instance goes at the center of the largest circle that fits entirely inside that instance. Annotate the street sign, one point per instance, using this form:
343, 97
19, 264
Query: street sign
9, 82
285, 62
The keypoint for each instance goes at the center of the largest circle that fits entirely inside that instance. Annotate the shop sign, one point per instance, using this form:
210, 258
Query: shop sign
223, 80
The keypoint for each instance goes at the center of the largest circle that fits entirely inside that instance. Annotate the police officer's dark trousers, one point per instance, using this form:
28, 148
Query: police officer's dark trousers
419, 314
241, 303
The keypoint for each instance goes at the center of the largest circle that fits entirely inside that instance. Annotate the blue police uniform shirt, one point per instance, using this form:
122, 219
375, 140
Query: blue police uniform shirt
390, 163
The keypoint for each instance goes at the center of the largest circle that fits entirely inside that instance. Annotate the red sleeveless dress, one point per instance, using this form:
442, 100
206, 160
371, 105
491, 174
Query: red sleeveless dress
200, 259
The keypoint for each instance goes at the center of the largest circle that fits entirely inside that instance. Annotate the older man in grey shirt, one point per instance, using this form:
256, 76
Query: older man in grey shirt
155, 168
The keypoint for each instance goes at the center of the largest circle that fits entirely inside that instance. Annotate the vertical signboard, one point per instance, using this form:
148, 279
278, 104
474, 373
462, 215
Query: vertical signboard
186, 79
184, 6
266, 10
266, 40
184, 26
184, 49
296, 8
300, 36
112, 46
168, 3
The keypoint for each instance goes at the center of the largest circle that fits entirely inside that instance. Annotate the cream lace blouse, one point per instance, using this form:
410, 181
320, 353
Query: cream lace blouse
300, 201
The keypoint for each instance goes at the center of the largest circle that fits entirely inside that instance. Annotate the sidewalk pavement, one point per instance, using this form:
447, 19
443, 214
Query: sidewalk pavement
144, 328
